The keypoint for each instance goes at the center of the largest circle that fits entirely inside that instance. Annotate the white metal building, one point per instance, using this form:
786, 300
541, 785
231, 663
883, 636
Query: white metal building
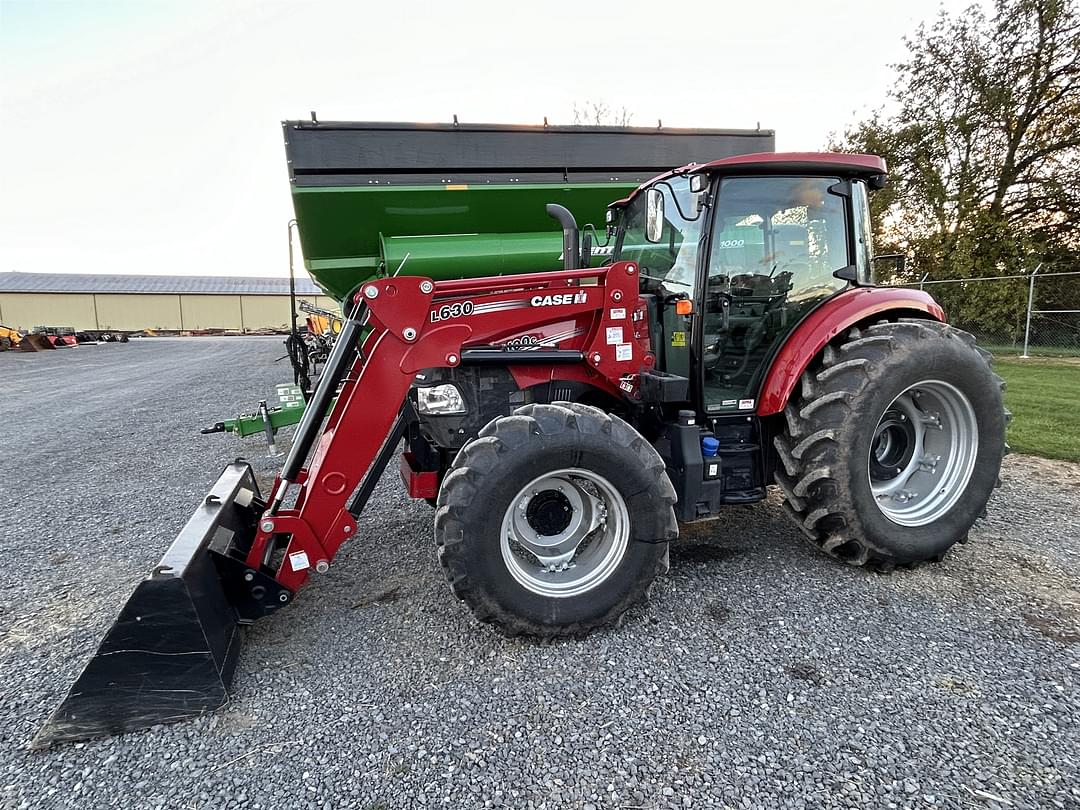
131, 303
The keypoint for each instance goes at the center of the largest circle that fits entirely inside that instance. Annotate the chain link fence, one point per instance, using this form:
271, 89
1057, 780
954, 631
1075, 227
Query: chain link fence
1034, 315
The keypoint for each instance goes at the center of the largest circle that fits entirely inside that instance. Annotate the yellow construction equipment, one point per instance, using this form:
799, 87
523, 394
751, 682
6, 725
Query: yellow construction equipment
15, 340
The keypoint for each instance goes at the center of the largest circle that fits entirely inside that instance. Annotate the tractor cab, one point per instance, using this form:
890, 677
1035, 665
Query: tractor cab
735, 253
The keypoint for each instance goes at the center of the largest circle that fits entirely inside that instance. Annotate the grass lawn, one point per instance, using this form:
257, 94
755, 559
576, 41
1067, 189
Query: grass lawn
1044, 397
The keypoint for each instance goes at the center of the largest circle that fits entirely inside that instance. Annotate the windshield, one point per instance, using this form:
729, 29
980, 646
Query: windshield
670, 263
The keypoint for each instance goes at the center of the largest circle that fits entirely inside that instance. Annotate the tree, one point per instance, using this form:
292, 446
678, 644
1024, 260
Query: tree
599, 114
983, 145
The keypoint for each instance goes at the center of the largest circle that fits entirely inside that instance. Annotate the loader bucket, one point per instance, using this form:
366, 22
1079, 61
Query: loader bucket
35, 343
171, 652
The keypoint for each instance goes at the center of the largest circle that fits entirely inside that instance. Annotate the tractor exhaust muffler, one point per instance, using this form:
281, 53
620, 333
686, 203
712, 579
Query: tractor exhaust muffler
571, 254
171, 653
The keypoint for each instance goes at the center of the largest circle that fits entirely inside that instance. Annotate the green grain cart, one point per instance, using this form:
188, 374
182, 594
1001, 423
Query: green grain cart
462, 200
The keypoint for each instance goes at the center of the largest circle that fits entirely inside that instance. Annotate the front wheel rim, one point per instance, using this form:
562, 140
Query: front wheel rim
564, 533
923, 453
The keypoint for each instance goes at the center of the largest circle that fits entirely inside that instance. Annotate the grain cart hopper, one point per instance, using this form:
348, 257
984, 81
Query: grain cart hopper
564, 423
460, 200
468, 200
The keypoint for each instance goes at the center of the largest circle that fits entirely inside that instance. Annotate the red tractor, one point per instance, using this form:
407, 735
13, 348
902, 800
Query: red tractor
565, 423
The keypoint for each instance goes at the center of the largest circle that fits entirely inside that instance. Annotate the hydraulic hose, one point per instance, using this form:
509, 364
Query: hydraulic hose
299, 360
340, 360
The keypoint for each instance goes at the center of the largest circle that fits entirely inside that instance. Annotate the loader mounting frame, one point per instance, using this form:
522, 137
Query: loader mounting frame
407, 336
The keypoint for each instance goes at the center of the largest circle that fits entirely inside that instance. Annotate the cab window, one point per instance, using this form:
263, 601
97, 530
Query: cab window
776, 243
670, 264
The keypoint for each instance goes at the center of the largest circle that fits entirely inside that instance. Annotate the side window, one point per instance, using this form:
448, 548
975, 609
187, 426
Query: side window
775, 244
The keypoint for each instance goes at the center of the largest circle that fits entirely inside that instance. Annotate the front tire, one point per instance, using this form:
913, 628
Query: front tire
554, 520
894, 445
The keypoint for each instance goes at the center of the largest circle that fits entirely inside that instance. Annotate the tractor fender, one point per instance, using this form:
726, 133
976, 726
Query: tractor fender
833, 317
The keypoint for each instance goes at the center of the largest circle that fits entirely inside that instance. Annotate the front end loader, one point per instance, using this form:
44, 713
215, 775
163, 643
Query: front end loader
244, 555
566, 423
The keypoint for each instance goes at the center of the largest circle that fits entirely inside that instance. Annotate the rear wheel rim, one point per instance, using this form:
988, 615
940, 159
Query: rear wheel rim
564, 533
923, 453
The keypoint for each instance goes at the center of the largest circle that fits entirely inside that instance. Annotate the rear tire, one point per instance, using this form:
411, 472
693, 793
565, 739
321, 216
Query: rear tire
894, 445
548, 472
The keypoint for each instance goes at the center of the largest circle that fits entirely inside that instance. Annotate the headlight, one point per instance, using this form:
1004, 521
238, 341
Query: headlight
440, 400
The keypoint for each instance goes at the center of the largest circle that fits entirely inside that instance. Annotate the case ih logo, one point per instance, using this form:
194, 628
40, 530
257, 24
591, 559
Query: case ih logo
559, 299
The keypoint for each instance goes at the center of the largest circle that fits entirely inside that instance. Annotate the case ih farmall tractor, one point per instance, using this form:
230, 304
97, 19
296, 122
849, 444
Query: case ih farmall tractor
565, 423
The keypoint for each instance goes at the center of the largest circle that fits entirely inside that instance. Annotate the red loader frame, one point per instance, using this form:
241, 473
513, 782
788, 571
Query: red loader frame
418, 324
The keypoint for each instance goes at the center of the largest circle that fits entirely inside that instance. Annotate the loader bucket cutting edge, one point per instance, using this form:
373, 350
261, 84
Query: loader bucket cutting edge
171, 652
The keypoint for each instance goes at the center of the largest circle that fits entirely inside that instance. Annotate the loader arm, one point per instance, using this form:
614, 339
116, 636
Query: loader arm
418, 324
171, 652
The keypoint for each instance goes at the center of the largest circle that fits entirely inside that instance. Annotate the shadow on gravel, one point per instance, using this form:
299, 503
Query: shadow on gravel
1051, 629
703, 553
718, 612
382, 594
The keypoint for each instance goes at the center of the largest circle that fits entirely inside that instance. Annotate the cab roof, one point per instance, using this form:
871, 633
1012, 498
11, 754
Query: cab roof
816, 162
840, 163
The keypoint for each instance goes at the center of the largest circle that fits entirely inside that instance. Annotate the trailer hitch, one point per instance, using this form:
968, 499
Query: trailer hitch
267, 420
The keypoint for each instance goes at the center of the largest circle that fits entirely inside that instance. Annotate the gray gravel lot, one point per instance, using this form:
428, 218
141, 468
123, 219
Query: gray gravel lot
760, 674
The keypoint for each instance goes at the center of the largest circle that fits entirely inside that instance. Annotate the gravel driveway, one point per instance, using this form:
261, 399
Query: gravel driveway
760, 674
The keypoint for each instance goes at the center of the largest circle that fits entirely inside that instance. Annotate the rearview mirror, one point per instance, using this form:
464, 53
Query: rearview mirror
899, 261
699, 183
654, 214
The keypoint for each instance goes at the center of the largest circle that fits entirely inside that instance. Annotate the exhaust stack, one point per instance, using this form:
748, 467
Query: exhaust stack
571, 259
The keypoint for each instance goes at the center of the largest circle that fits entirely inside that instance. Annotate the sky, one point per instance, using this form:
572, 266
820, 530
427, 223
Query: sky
144, 137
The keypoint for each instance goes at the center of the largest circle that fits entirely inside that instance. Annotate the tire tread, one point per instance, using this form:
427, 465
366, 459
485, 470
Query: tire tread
497, 443
809, 448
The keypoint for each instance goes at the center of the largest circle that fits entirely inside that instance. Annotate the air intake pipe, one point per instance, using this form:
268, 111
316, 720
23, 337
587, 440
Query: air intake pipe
571, 258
